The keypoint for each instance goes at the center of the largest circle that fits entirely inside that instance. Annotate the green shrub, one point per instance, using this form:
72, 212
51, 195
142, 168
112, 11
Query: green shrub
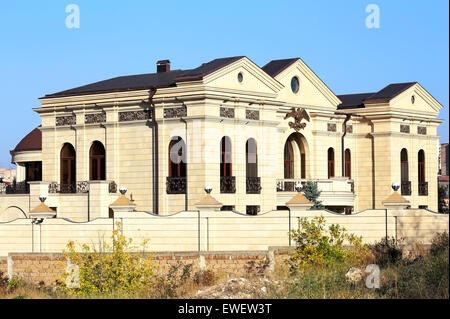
386, 251
439, 243
114, 271
318, 245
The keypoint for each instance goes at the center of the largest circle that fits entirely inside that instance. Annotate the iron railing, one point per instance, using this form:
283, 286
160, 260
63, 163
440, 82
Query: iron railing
15, 188
423, 188
253, 185
69, 188
406, 188
176, 185
228, 184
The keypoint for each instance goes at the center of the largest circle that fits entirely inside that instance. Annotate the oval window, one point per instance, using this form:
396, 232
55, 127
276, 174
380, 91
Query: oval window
240, 77
295, 85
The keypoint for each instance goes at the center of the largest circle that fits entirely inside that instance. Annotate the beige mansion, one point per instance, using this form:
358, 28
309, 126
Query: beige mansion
251, 133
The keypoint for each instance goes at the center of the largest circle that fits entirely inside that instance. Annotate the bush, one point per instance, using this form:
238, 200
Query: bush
439, 243
386, 251
317, 245
113, 271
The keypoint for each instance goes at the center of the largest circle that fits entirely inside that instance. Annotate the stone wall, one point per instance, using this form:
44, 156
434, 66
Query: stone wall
40, 267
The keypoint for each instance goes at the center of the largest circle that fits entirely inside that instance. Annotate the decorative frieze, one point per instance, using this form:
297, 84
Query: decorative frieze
227, 112
349, 129
404, 129
66, 120
175, 112
134, 116
95, 118
331, 127
422, 130
252, 115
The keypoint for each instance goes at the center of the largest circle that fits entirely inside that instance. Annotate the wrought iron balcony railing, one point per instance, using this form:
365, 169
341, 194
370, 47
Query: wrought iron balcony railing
406, 188
228, 184
253, 185
176, 185
69, 188
423, 188
15, 188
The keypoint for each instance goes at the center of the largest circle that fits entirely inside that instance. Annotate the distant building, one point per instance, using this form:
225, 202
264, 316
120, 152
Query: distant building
7, 175
444, 159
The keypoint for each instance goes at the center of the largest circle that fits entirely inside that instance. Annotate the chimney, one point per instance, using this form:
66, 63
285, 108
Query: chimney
163, 66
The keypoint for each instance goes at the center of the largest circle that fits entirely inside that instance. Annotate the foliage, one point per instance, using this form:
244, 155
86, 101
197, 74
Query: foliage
318, 245
439, 243
424, 277
112, 271
312, 193
386, 251
442, 191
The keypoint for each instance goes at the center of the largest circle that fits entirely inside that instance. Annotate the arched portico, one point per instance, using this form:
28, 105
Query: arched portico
296, 153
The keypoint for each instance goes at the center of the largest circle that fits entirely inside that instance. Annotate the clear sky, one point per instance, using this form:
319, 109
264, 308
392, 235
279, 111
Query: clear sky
40, 55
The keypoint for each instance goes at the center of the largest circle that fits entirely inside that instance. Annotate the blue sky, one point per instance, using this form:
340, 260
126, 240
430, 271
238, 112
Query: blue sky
39, 55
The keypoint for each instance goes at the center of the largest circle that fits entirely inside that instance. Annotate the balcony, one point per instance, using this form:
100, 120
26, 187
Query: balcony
228, 184
15, 188
406, 188
176, 185
69, 188
253, 185
338, 191
423, 188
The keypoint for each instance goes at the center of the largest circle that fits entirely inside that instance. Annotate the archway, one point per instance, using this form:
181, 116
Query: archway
296, 157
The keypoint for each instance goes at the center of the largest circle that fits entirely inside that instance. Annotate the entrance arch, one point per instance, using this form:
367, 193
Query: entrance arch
296, 157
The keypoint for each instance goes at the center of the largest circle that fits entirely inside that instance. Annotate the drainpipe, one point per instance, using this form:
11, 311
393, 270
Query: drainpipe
370, 135
347, 118
155, 159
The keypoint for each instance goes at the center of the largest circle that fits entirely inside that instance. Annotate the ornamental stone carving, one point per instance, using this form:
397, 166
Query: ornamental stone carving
66, 120
252, 115
134, 116
95, 118
227, 112
331, 127
298, 114
175, 112
422, 130
404, 129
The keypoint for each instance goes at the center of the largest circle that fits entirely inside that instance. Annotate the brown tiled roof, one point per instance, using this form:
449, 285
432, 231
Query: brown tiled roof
147, 81
31, 142
351, 101
275, 67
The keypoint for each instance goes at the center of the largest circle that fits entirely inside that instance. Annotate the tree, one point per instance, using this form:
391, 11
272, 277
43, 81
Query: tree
312, 193
441, 203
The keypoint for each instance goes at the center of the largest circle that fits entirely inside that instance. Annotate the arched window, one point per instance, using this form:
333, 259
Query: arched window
288, 160
330, 162
251, 157
404, 167
67, 166
421, 166
97, 162
348, 163
225, 157
177, 157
